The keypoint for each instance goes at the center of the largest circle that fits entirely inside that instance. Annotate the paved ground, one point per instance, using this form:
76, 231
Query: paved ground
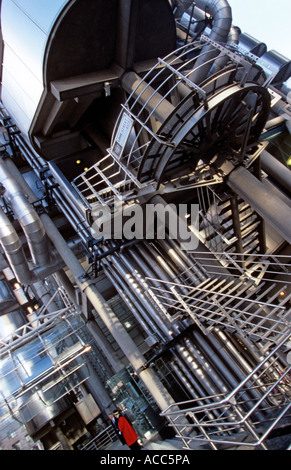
168, 445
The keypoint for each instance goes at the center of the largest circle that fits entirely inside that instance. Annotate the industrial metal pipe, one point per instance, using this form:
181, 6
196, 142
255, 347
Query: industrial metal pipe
27, 217
135, 282
273, 210
280, 173
12, 246
231, 369
48, 264
131, 351
221, 61
176, 257
65, 204
13, 249
131, 301
222, 20
147, 96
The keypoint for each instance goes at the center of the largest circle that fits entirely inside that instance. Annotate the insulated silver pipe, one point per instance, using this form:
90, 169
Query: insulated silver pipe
161, 312
231, 370
196, 365
12, 246
129, 299
222, 59
176, 257
163, 266
127, 271
190, 384
13, 249
49, 267
195, 387
27, 217
184, 380
197, 377
161, 270
36, 163
148, 263
210, 372
220, 10
199, 271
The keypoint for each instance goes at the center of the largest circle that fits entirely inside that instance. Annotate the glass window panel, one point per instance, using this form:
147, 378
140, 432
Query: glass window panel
9, 381
31, 361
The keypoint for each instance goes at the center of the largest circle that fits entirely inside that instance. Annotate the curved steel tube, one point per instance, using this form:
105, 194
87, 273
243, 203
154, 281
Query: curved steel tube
27, 217
14, 251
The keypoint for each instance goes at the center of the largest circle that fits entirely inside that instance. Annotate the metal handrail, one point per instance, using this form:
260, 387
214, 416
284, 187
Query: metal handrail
234, 415
102, 440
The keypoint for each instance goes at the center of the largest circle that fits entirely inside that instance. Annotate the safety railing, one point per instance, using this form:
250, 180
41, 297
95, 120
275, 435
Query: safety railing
244, 417
240, 302
102, 441
41, 322
104, 181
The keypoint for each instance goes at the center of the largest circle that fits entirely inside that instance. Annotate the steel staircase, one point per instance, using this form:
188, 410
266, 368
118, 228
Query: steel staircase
229, 224
257, 311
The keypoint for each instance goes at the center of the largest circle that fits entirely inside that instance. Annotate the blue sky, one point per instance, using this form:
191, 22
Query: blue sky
269, 21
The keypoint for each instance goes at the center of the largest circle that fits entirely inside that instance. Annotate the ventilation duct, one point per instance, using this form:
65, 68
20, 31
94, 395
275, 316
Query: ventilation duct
13, 249
27, 217
222, 20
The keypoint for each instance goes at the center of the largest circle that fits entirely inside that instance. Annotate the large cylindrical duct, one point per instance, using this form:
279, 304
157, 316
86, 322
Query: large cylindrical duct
13, 249
220, 10
27, 217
